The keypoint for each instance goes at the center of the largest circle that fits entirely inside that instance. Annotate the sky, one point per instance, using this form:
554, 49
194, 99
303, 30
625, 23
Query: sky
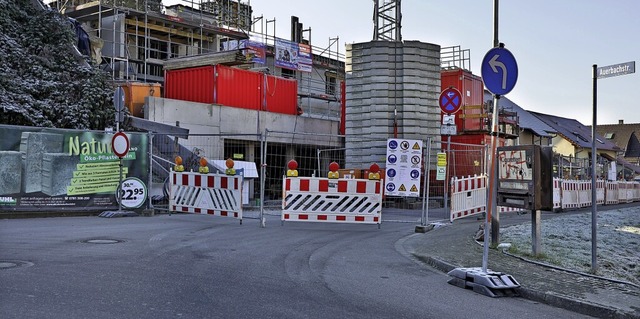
555, 43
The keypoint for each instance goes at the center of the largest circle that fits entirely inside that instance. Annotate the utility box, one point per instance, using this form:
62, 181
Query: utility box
525, 177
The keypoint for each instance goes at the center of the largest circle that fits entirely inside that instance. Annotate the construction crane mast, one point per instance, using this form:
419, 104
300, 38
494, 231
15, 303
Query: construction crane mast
387, 20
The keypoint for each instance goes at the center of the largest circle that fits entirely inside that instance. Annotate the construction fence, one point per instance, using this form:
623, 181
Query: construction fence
263, 161
452, 180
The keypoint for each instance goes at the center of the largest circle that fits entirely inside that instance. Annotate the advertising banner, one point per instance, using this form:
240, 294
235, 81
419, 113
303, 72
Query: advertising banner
257, 50
293, 56
57, 170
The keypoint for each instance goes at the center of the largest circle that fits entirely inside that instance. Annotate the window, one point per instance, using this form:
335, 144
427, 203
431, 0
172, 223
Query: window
330, 85
289, 74
609, 135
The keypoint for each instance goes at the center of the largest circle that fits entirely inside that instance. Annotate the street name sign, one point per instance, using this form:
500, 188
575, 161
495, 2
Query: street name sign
616, 70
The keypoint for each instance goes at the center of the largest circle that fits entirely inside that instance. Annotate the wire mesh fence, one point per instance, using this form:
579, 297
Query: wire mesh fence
263, 160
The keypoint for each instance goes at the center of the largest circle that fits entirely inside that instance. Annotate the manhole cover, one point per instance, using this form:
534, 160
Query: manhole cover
102, 241
8, 264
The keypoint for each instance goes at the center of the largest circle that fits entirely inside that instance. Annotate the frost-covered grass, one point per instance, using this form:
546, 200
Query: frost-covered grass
566, 242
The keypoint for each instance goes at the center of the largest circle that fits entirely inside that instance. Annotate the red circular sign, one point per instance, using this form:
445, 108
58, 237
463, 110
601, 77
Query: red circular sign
450, 100
120, 144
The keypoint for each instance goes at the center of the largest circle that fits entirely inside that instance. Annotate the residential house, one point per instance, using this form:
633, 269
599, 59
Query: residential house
532, 130
626, 137
573, 143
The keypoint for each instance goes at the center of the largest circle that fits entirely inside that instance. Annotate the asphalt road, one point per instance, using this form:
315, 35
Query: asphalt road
195, 266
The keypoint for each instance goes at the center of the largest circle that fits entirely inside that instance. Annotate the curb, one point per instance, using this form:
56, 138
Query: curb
548, 298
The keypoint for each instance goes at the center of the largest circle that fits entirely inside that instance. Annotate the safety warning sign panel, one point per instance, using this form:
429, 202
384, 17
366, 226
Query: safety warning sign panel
404, 167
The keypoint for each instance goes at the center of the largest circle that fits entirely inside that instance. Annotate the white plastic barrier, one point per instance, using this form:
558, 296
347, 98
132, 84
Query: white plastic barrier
636, 191
468, 196
600, 191
213, 194
624, 194
557, 193
611, 193
584, 193
313, 199
503, 209
570, 194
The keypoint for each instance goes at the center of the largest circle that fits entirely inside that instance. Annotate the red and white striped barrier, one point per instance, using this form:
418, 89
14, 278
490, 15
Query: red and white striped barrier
600, 191
557, 193
570, 194
584, 193
624, 193
504, 209
314, 199
213, 194
468, 196
611, 193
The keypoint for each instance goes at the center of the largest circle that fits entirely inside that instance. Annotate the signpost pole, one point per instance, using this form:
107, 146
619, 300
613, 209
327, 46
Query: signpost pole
120, 188
594, 209
602, 72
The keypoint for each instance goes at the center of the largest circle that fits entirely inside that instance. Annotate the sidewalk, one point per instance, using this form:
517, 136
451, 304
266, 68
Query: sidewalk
452, 246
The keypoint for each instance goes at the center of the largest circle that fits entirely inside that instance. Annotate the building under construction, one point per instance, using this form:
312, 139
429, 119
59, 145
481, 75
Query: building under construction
134, 40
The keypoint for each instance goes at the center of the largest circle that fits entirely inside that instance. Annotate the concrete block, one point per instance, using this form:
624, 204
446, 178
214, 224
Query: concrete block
10, 172
57, 172
33, 146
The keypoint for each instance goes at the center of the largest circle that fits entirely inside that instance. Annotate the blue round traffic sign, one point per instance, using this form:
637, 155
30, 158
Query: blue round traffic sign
391, 187
499, 71
392, 159
415, 173
391, 172
450, 100
393, 144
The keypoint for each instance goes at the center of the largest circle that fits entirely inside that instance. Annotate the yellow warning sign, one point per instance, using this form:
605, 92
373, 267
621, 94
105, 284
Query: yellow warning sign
416, 146
442, 159
402, 188
413, 188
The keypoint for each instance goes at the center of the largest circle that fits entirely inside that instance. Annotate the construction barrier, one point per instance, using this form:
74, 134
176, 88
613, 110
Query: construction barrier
504, 209
570, 194
314, 199
468, 196
584, 193
600, 191
611, 193
624, 194
213, 194
557, 193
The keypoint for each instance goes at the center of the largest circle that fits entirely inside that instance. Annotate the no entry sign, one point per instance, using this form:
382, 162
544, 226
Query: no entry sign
120, 144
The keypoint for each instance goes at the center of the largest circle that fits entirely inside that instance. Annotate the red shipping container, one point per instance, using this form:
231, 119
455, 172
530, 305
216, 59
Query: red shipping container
471, 89
281, 95
237, 87
233, 87
192, 84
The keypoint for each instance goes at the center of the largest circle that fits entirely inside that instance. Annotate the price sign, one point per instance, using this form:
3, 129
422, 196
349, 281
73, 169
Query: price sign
133, 193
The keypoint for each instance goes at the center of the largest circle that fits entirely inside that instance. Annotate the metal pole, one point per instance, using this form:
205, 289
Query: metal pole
425, 194
594, 208
446, 174
263, 173
492, 170
150, 179
120, 188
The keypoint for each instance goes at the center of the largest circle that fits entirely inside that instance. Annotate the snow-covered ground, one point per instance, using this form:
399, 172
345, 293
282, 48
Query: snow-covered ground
566, 242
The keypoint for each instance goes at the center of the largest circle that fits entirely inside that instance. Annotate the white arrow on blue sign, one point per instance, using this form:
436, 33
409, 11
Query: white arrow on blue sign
499, 71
